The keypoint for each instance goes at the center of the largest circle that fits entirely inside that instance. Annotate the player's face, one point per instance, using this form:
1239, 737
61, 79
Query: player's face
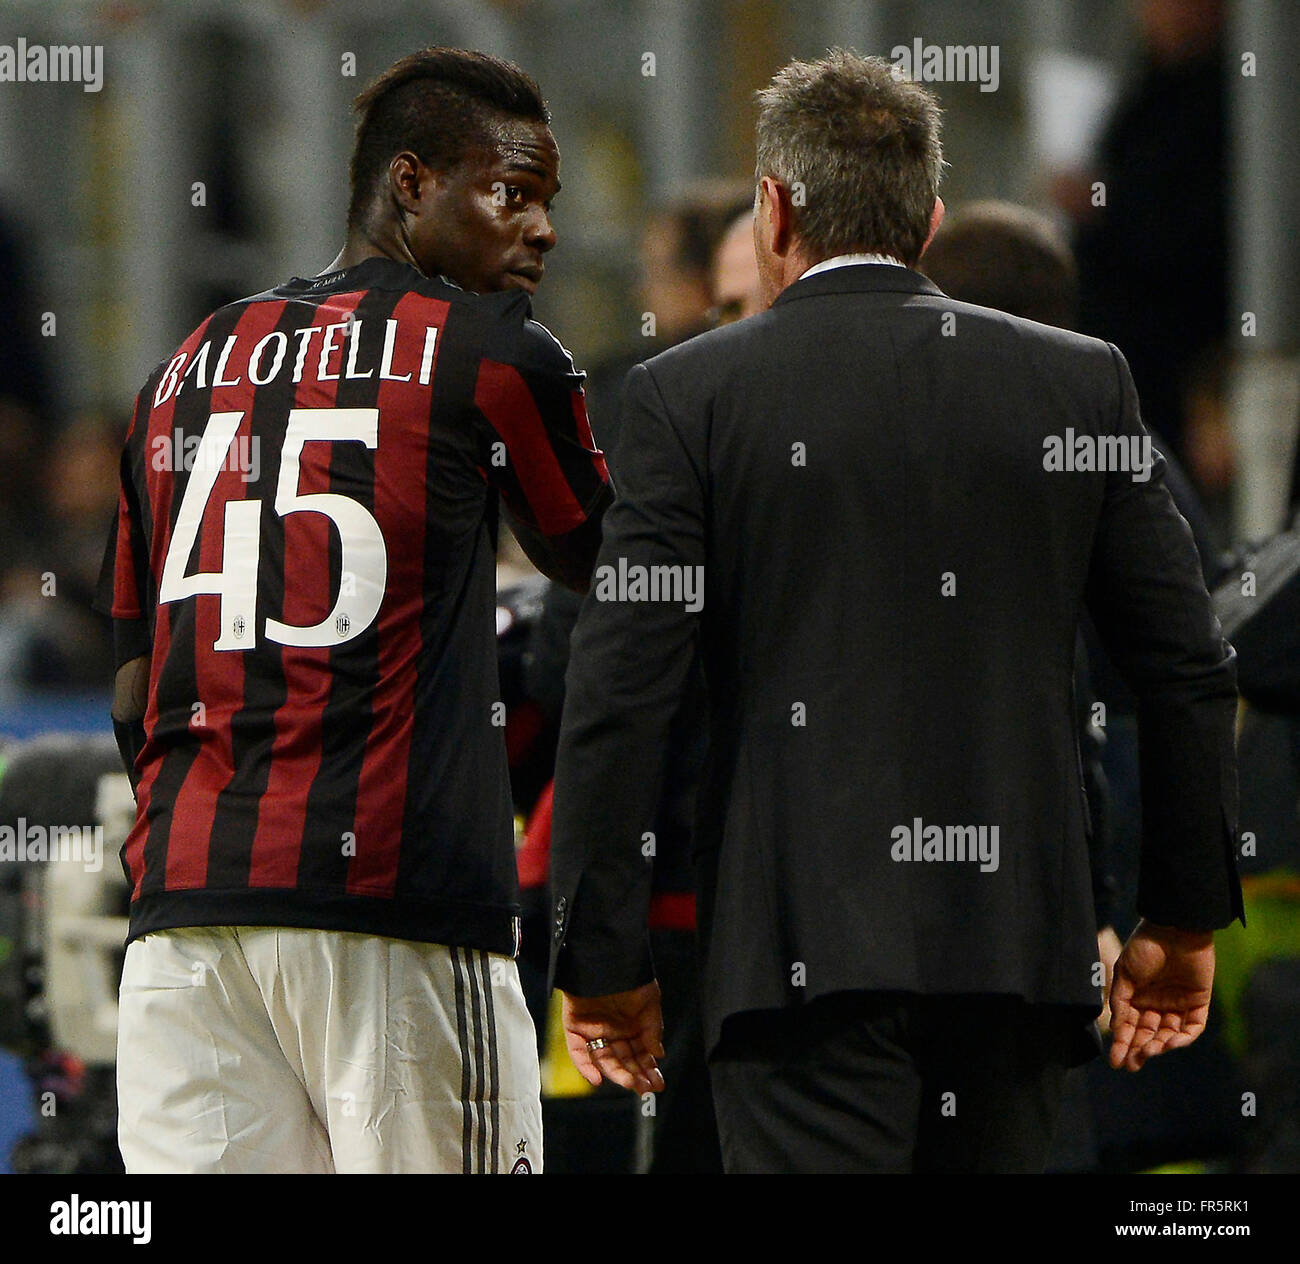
489, 224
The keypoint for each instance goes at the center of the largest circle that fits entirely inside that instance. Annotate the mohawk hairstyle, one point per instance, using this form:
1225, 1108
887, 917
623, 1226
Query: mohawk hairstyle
440, 104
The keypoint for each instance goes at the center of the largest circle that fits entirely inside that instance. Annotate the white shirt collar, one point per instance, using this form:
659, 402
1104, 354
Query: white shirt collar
848, 261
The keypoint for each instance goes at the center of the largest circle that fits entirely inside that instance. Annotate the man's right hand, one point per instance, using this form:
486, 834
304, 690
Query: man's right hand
1160, 997
630, 1027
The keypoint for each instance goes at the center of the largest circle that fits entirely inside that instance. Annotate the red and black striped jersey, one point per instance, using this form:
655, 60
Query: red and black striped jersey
304, 546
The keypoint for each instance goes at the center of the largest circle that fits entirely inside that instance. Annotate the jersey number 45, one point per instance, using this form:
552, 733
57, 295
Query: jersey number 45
364, 564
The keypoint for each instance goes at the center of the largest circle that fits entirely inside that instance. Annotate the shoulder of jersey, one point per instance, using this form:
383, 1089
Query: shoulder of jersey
511, 334
513, 337
528, 344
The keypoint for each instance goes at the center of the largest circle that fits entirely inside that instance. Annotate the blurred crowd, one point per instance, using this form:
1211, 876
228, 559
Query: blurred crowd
58, 490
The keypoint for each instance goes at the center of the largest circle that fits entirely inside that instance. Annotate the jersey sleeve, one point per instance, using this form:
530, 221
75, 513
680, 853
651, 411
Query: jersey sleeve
124, 585
537, 446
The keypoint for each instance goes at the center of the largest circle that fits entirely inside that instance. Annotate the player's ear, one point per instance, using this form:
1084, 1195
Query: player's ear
407, 176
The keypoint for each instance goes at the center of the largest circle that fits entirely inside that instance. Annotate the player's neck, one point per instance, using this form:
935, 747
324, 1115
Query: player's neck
362, 244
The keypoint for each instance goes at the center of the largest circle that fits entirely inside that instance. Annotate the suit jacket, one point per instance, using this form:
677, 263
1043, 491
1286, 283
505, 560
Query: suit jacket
892, 578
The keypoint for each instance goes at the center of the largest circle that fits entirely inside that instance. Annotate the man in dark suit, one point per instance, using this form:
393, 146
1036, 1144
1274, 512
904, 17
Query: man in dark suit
877, 514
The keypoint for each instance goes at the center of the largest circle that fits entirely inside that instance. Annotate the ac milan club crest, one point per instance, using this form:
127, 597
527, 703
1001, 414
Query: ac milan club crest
522, 1166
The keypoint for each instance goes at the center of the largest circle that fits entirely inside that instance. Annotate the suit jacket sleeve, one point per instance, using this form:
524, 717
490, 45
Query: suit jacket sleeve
1149, 602
626, 677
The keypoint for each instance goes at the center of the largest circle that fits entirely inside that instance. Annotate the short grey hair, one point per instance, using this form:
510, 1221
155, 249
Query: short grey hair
863, 143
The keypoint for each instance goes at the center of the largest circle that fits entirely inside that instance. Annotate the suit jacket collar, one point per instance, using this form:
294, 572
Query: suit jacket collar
860, 278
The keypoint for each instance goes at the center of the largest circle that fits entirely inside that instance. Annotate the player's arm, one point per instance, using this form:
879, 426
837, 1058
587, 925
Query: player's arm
123, 584
130, 701
539, 454
568, 559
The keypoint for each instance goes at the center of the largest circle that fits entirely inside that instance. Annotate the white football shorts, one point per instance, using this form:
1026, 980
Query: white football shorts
268, 1049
